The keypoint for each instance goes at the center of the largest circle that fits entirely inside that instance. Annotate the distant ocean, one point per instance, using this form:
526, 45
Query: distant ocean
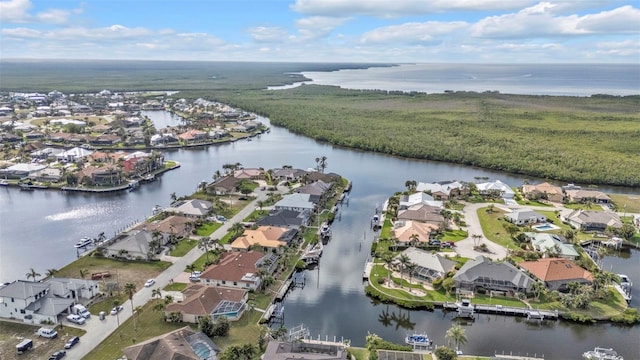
528, 79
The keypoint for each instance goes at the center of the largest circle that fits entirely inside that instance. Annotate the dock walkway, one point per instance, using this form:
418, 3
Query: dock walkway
506, 310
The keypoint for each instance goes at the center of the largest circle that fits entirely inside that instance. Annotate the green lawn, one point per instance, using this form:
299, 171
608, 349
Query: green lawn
599, 309
385, 233
493, 229
150, 323
531, 202
256, 215
106, 304
632, 202
359, 353
207, 228
454, 235
176, 286
183, 247
199, 263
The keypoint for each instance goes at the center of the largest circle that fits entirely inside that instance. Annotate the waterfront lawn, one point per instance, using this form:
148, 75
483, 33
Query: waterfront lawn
136, 272
175, 286
454, 235
183, 247
598, 309
632, 202
207, 228
247, 328
359, 353
497, 300
492, 228
256, 215
385, 233
150, 323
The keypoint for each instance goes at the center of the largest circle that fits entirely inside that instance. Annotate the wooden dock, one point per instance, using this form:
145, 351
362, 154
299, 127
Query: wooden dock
283, 289
504, 310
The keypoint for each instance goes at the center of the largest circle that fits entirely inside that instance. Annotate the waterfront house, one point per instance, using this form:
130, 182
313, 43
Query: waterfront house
443, 190
316, 175
588, 220
419, 198
552, 244
32, 302
224, 185
404, 231
558, 273
496, 187
21, 170
285, 218
195, 208
525, 217
134, 245
251, 174
238, 270
178, 226
295, 202
483, 274
288, 350
316, 190
202, 300
73, 155
192, 136
544, 191
266, 238
47, 175
289, 174
182, 344
105, 140
583, 196
429, 266
423, 213
46, 153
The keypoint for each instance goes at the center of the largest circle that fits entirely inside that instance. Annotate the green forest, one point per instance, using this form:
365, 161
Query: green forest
589, 140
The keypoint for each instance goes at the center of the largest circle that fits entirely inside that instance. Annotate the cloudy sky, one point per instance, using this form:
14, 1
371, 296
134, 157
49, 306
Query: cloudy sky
490, 31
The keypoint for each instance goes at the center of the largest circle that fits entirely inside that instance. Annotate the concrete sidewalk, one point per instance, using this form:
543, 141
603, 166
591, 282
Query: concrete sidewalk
98, 330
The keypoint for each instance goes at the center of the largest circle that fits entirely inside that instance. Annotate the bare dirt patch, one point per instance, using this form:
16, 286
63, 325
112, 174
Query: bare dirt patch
11, 334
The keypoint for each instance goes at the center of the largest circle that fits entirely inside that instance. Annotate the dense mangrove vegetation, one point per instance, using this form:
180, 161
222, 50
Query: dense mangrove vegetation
590, 140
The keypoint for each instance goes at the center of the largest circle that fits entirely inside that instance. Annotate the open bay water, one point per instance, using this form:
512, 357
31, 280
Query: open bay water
528, 79
38, 229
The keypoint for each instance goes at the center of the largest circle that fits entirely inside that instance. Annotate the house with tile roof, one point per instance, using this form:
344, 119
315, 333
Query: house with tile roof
202, 300
583, 196
180, 344
180, 226
589, 220
552, 244
235, 269
404, 231
557, 273
266, 238
192, 208
443, 190
482, 273
422, 213
429, 266
249, 173
543, 191
497, 187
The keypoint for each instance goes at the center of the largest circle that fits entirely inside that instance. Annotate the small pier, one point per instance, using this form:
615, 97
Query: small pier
275, 313
368, 266
469, 311
283, 289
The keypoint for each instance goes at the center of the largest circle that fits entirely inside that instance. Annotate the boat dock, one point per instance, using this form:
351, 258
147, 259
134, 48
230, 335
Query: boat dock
470, 310
312, 253
283, 289
626, 295
368, 266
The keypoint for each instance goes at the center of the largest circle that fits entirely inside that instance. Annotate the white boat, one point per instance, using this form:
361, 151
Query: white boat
418, 340
625, 281
602, 354
325, 230
84, 242
4, 182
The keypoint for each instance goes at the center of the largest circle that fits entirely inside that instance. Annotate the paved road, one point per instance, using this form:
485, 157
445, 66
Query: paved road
98, 330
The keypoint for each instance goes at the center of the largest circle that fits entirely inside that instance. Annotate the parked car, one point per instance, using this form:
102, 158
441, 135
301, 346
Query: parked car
195, 276
24, 346
449, 243
57, 355
74, 340
149, 283
46, 332
76, 319
222, 218
116, 309
435, 242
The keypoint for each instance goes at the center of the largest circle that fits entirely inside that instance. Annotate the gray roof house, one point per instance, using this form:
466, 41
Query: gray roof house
281, 350
285, 218
295, 202
429, 266
525, 216
551, 243
32, 302
182, 344
192, 208
73, 288
593, 220
289, 174
481, 272
134, 245
316, 189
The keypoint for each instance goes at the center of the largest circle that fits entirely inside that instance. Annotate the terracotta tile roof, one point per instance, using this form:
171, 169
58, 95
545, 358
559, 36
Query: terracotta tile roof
404, 232
265, 236
202, 299
553, 269
233, 266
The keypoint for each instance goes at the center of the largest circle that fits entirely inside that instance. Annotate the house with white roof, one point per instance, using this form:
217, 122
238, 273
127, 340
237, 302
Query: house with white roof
524, 217
295, 202
496, 186
406, 201
552, 244
73, 155
21, 170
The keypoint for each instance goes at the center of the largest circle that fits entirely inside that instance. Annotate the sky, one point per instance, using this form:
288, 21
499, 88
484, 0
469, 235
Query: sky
388, 31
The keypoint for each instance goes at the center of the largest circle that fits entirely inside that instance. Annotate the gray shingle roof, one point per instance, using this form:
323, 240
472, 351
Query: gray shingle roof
484, 267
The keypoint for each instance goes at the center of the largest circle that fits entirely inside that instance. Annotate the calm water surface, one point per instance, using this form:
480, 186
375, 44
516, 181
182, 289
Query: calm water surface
38, 229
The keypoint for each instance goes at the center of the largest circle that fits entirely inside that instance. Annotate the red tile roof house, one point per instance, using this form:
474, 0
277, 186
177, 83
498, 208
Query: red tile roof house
557, 273
235, 269
203, 300
193, 136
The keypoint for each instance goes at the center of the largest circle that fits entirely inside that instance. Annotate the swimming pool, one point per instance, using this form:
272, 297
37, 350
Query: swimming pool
546, 227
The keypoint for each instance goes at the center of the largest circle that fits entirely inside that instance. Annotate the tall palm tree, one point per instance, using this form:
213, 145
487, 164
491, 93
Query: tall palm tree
411, 267
237, 228
387, 258
190, 268
323, 163
50, 272
204, 244
115, 304
33, 274
130, 289
404, 261
136, 313
457, 334
156, 292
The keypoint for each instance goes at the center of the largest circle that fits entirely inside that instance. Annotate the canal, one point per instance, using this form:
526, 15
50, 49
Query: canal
38, 230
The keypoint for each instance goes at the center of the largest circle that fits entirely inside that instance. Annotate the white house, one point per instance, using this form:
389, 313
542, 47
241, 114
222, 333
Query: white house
525, 216
295, 202
407, 201
496, 186
73, 155
32, 302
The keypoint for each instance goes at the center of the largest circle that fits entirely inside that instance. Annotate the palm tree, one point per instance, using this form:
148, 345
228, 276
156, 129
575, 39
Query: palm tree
476, 239
83, 273
137, 311
388, 260
204, 244
50, 272
156, 292
33, 274
457, 334
414, 239
260, 204
130, 290
404, 261
323, 163
411, 267
237, 228
168, 299
115, 304
538, 289
190, 268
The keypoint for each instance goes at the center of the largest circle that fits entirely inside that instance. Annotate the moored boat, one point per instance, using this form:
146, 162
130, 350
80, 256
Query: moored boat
84, 242
418, 340
4, 182
602, 354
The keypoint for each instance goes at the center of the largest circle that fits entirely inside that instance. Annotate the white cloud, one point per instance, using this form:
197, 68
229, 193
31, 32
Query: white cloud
625, 48
394, 8
316, 27
412, 33
267, 34
17, 12
539, 21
